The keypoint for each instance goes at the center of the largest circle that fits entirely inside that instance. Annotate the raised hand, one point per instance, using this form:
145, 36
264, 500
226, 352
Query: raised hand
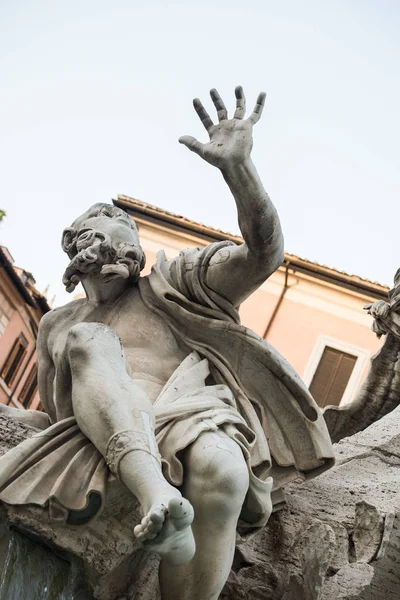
231, 140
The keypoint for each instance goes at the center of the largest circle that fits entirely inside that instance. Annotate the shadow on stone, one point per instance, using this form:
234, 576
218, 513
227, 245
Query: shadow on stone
33, 571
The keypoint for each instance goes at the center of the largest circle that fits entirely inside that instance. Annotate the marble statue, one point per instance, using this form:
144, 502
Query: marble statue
153, 380
380, 392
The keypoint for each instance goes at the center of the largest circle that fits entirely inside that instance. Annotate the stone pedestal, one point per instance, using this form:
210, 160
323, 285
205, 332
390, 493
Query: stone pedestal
339, 537
105, 550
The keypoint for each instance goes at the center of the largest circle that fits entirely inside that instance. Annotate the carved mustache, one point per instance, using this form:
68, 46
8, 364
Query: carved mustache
95, 249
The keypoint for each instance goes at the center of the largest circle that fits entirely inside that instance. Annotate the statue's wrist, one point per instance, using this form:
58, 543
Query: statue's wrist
235, 167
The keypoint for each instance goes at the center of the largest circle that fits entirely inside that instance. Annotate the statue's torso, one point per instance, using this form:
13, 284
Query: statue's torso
151, 349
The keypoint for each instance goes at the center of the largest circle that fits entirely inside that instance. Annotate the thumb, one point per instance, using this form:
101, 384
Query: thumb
191, 143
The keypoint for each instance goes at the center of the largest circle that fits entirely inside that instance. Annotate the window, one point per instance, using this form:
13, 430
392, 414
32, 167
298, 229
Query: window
4, 321
14, 359
5, 313
30, 387
358, 356
332, 376
5, 306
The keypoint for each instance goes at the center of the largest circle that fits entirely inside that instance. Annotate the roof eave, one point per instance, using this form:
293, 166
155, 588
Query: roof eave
182, 224
35, 300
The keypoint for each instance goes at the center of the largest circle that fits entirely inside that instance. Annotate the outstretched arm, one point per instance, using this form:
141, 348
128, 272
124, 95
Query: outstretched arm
251, 263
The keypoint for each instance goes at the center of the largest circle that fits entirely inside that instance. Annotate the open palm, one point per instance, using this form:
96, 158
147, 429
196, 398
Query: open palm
231, 140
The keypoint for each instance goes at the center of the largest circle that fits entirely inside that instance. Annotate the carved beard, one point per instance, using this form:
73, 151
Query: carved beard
97, 255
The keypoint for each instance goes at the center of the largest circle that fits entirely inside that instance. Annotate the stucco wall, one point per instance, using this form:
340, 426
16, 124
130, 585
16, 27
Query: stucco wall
19, 323
312, 313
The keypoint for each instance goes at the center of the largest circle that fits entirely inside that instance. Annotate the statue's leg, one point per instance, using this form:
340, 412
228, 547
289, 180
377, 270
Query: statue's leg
216, 483
116, 415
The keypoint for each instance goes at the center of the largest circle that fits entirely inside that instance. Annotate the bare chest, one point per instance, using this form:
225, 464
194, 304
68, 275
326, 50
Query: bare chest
151, 348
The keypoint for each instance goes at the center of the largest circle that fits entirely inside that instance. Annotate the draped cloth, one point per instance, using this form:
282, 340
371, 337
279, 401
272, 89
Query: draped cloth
232, 380
291, 437
60, 468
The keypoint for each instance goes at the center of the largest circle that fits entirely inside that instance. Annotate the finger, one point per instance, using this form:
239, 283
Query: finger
191, 143
240, 103
219, 105
257, 112
203, 114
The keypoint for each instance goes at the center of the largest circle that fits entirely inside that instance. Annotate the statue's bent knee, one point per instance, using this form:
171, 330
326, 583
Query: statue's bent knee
82, 337
232, 481
222, 485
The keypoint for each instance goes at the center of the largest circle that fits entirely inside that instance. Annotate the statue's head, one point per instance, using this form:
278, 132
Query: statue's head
104, 241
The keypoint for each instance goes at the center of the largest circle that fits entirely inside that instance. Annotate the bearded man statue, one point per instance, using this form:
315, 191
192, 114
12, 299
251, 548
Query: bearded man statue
153, 380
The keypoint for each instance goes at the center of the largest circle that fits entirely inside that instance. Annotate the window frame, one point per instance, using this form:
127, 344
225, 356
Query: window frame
361, 355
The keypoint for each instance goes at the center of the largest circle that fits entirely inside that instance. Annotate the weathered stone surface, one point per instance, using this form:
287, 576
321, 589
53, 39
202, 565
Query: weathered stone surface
338, 538
107, 546
368, 531
33, 571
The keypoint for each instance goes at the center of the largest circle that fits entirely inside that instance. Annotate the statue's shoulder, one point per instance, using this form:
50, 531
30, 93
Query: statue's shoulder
59, 314
188, 266
196, 255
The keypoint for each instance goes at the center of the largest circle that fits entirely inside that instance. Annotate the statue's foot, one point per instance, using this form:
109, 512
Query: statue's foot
166, 530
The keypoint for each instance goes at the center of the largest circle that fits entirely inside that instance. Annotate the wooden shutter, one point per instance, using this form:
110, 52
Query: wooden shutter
332, 376
14, 359
30, 387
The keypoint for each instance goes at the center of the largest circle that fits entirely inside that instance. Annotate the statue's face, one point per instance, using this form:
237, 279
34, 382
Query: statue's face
103, 242
117, 228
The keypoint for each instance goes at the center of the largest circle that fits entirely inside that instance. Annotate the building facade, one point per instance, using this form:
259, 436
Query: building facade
311, 313
21, 308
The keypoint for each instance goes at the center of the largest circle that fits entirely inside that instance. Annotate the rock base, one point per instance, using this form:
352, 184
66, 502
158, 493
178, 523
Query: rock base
337, 539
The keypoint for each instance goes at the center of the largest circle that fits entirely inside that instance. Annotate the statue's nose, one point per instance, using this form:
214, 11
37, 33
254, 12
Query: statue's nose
86, 238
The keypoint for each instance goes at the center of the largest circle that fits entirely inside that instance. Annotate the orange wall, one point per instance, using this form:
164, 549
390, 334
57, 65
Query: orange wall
311, 310
296, 329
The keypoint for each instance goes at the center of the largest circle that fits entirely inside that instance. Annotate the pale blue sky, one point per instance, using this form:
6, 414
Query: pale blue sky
95, 95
